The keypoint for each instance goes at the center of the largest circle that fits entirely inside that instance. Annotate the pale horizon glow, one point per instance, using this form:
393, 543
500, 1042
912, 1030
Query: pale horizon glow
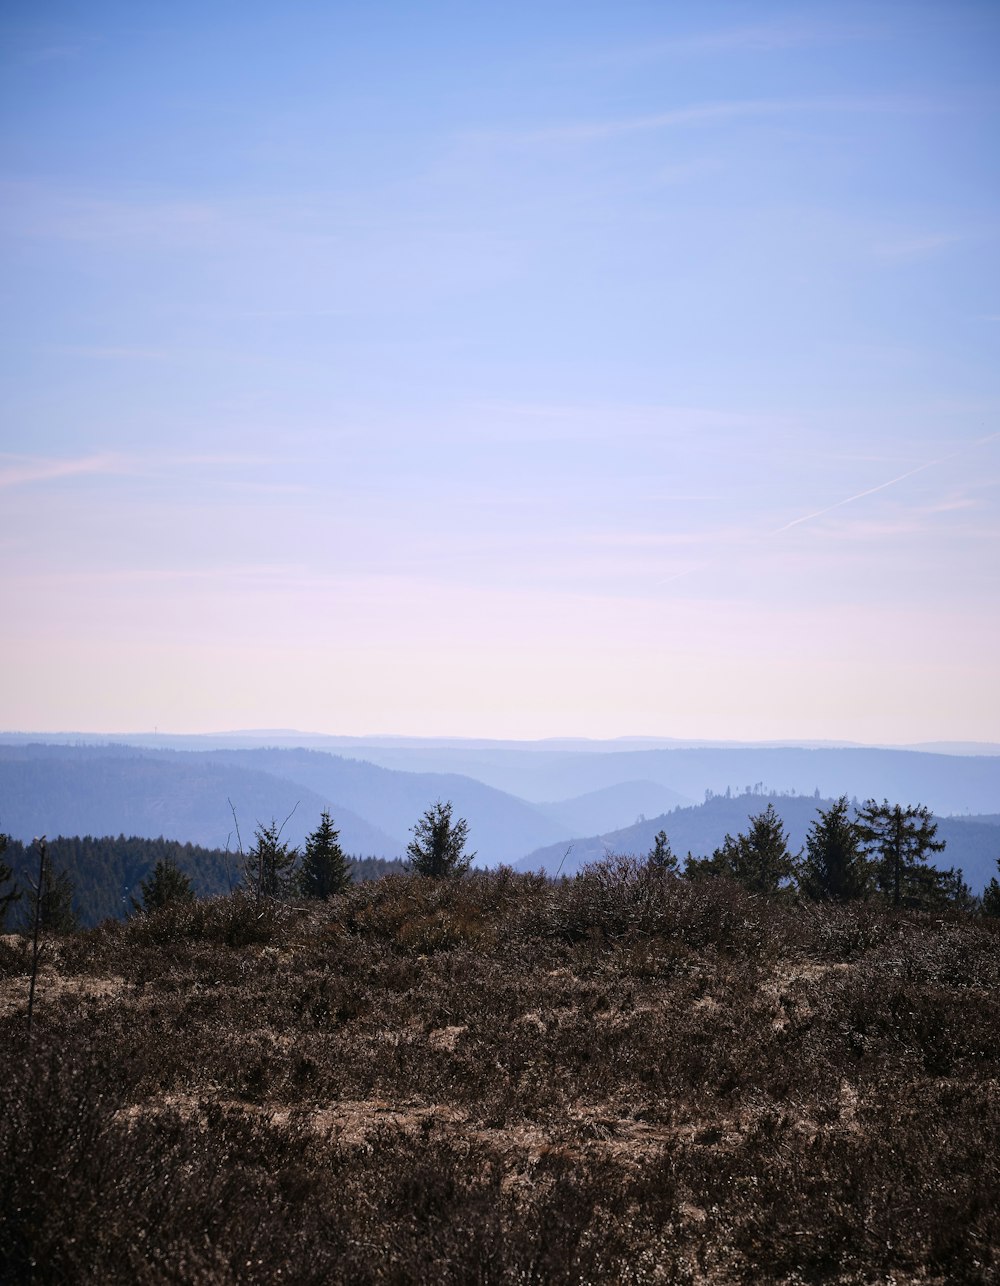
518, 371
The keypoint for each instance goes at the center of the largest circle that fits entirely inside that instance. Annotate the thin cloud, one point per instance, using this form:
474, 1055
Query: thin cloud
111, 352
915, 246
41, 211
882, 486
701, 114
20, 471
839, 504
778, 35
25, 470
53, 53
751, 39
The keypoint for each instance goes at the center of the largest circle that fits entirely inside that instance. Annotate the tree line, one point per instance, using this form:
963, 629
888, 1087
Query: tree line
270, 868
880, 852
273, 868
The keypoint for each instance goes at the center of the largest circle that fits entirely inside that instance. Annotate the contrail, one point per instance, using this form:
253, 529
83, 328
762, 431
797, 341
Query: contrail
860, 495
882, 485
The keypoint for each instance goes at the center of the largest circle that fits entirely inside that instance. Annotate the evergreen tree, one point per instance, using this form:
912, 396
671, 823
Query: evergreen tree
11, 895
899, 840
944, 889
660, 857
166, 885
267, 867
54, 897
991, 895
437, 847
835, 868
759, 860
325, 869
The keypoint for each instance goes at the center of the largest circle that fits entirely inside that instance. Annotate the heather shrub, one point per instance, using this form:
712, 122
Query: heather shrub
15, 956
619, 1077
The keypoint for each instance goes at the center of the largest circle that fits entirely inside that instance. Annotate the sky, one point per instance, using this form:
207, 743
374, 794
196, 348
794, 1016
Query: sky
505, 370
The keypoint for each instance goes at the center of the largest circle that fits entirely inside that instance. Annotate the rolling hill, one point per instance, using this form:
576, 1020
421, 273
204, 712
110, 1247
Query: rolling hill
972, 845
58, 790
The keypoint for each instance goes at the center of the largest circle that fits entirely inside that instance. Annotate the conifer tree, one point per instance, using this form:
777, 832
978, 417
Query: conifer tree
991, 895
660, 857
54, 897
268, 865
325, 869
437, 847
835, 868
759, 859
899, 840
167, 884
11, 895
943, 888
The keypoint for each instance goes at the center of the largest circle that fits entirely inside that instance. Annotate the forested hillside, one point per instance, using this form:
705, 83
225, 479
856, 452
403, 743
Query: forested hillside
106, 872
116, 790
185, 795
972, 844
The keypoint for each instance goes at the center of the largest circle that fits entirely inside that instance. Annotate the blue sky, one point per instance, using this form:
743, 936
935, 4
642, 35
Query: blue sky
515, 370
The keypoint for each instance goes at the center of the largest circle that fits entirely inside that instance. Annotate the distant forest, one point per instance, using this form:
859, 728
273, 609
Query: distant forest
106, 871
850, 853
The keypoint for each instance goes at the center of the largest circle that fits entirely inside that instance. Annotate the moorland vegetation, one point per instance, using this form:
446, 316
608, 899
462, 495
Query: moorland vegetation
626, 1075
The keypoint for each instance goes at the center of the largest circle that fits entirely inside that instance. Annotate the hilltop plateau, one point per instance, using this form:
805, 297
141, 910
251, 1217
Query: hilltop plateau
499, 1079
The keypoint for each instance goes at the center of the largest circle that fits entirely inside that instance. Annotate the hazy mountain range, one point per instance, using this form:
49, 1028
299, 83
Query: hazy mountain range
526, 804
973, 843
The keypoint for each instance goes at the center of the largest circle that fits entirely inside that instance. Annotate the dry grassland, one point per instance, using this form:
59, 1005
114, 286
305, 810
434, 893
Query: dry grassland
617, 1078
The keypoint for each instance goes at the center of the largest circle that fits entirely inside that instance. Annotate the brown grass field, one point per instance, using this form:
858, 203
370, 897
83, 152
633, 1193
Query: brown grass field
499, 1079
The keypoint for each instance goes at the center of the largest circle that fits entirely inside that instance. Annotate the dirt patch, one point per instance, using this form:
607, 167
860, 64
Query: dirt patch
50, 987
446, 1037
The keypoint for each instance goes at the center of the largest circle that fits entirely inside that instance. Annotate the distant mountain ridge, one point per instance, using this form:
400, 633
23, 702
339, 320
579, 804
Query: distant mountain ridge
57, 790
184, 795
519, 803
971, 844
500, 823
945, 783
290, 738
604, 809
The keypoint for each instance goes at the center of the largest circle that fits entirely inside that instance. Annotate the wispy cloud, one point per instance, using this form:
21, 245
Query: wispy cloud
764, 36
710, 425
704, 114
20, 471
757, 38
913, 247
43, 211
883, 486
53, 53
923, 520
894, 525
111, 352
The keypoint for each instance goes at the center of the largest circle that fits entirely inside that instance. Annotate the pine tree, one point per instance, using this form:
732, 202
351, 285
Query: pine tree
267, 867
991, 895
13, 894
438, 843
166, 885
835, 868
660, 857
55, 903
944, 889
899, 840
325, 869
759, 859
